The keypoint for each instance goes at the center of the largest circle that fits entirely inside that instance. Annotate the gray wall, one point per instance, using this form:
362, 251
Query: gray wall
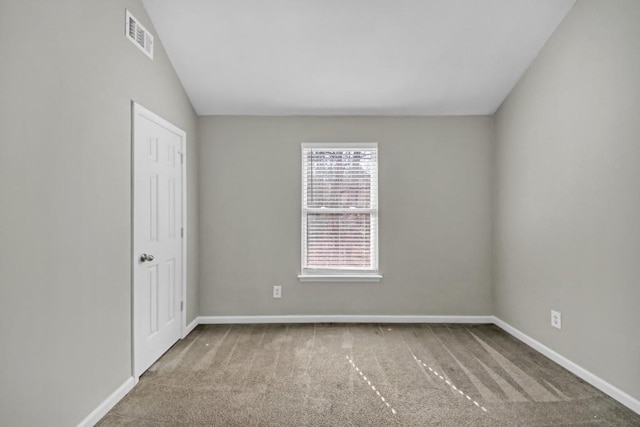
65, 191
434, 216
568, 198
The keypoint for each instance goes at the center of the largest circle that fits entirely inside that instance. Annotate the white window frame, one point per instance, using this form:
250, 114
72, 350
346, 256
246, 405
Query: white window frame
340, 275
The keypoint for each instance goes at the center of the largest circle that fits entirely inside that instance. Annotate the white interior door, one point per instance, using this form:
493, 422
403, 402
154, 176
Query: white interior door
158, 257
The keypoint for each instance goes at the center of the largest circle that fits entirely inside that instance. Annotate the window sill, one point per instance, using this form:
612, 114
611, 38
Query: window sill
373, 277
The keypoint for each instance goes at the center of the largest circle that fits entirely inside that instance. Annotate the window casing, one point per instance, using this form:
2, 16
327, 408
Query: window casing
339, 211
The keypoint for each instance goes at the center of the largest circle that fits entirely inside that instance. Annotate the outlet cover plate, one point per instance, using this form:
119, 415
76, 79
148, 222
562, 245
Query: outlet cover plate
277, 291
556, 319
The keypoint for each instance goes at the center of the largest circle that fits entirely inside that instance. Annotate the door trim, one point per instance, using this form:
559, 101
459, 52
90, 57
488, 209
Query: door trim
138, 109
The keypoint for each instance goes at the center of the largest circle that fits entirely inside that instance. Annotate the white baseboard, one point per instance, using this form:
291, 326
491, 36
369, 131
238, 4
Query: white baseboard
102, 409
594, 380
191, 326
343, 319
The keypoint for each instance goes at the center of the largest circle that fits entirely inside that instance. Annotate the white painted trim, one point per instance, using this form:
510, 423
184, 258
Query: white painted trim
191, 326
211, 320
339, 277
594, 380
111, 401
183, 166
340, 145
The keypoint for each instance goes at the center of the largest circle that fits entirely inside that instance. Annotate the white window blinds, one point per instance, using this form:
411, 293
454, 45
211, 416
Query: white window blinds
339, 207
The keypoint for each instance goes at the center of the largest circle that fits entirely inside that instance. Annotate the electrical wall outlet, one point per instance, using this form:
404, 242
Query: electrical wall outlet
277, 291
556, 319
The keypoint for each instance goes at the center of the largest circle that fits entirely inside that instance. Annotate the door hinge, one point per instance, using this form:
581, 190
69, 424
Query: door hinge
181, 305
181, 157
182, 232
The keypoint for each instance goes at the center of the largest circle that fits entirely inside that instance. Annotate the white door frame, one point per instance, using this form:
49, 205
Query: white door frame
137, 109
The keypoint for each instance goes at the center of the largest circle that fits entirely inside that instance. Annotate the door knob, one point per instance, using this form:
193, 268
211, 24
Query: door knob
145, 257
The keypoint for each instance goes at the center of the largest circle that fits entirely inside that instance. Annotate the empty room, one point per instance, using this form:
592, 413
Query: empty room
319, 213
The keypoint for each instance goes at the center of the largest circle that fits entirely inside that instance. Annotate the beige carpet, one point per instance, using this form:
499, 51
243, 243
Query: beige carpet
361, 375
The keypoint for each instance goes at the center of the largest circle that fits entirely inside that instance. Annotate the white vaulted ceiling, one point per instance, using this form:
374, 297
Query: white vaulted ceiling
352, 57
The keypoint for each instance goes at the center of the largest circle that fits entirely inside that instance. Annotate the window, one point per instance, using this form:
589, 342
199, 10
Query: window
340, 212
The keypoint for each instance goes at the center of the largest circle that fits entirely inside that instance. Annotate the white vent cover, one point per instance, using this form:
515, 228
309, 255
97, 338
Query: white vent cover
139, 35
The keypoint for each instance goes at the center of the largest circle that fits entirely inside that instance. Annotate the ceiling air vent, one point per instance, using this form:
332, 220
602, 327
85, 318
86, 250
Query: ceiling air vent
139, 35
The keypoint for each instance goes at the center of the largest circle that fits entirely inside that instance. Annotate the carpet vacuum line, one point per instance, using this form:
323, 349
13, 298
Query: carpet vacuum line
453, 387
373, 387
